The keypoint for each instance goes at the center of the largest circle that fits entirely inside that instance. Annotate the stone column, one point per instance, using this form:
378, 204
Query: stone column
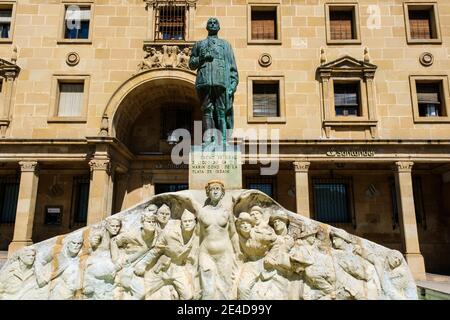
407, 218
302, 187
26, 204
99, 191
148, 187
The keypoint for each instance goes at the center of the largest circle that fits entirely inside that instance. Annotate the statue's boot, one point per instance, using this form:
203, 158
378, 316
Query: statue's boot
208, 124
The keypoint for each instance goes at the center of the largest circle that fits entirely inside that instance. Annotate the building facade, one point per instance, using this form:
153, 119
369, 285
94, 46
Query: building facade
357, 90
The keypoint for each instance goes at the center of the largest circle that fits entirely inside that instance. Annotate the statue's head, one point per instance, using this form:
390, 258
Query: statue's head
149, 222
215, 190
152, 208
213, 26
309, 234
256, 212
163, 214
279, 222
394, 258
113, 225
74, 244
27, 256
245, 223
188, 221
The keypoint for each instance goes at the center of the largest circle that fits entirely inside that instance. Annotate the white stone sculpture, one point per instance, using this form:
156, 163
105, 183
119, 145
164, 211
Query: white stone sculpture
234, 244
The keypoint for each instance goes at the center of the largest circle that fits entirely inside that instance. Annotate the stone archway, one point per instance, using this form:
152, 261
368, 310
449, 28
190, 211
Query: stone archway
147, 96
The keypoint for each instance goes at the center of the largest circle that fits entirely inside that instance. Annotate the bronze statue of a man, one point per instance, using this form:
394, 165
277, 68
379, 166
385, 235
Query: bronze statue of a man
217, 80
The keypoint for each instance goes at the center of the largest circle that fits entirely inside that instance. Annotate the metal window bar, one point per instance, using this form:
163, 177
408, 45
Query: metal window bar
341, 24
170, 20
347, 99
333, 200
264, 24
9, 194
170, 187
266, 185
80, 199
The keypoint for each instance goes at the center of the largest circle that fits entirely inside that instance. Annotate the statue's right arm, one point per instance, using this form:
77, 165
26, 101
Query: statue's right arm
151, 256
195, 61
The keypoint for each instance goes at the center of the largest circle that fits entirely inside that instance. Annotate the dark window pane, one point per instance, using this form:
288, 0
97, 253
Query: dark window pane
264, 24
341, 24
267, 188
81, 186
9, 194
5, 22
331, 202
266, 100
420, 24
78, 33
429, 99
346, 99
418, 202
170, 187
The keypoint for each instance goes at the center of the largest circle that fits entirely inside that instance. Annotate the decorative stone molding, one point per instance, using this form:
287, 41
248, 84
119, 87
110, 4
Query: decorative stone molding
348, 69
28, 166
104, 128
72, 59
154, 3
265, 60
165, 56
426, 59
301, 166
100, 164
404, 166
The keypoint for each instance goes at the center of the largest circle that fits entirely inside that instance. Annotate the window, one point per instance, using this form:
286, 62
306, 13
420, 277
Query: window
430, 98
347, 96
170, 21
80, 199
266, 185
266, 99
346, 99
170, 187
422, 22
333, 200
5, 22
342, 23
9, 194
264, 24
69, 98
173, 118
77, 23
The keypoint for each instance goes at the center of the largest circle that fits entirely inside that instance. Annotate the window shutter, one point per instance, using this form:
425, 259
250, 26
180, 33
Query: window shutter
70, 99
265, 100
5, 16
428, 93
341, 25
264, 25
420, 24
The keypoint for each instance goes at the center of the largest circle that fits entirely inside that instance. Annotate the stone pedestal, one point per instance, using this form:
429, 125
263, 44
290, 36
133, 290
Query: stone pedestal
221, 163
99, 191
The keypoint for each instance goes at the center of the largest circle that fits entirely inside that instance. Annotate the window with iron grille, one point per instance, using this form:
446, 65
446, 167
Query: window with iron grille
170, 187
421, 24
264, 23
170, 20
77, 22
342, 24
80, 199
429, 98
333, 200
9, 194
266, 185
5, 22
266, 99
347, 99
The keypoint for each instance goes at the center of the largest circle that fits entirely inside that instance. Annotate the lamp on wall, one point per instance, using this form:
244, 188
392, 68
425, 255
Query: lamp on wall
172, 138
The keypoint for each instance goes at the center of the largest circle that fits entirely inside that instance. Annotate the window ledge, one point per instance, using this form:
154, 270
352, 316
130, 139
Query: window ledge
266, 120
350, 122
424, 41
264, 42
6, 40
67, 120
344, 42
74, 41
432, 120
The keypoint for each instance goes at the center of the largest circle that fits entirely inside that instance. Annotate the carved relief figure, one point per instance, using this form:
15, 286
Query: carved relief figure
19, 280
174, 254
255, 243
133, 245
183, 58
151, 60
163, 216
218, 245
